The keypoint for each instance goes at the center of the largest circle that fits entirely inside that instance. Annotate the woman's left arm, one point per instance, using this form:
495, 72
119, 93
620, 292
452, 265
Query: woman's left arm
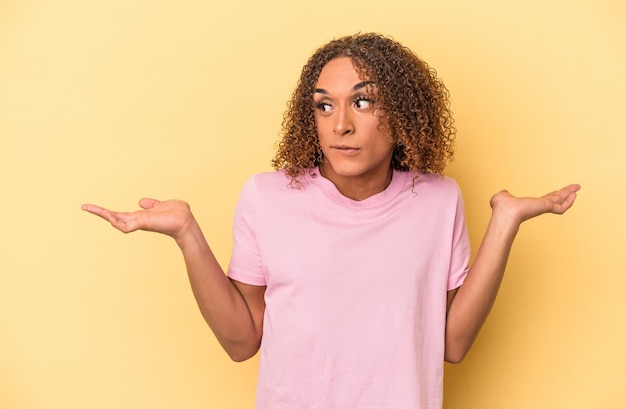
469, 305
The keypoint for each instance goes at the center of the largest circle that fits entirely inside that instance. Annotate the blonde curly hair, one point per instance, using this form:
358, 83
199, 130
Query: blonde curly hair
415, 107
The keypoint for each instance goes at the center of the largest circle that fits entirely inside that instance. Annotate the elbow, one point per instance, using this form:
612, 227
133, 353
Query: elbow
240, 357
242, 352
455, 353
455, 357
458, 344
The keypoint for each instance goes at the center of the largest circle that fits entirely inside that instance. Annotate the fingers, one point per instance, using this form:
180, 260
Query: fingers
97, 210
147, 203
568, 202
562, 200
124, 222
524, 208
573, 187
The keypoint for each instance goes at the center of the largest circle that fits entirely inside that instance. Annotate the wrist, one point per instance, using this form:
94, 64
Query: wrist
503, 207
504, 217
188, 232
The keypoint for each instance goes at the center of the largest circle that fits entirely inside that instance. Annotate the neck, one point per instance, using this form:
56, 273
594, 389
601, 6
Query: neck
358, 187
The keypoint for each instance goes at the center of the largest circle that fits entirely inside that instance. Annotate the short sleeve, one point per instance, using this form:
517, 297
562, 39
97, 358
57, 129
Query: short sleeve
461, 250
246, 264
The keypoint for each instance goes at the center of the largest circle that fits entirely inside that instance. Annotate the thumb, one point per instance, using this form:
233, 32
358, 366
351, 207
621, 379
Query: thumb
147, 203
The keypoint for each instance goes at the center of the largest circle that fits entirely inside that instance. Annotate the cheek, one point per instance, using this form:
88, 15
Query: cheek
323, 129
386, 149
381, 139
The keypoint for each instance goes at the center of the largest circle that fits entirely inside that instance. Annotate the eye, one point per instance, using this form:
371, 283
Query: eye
363, 103
323, 106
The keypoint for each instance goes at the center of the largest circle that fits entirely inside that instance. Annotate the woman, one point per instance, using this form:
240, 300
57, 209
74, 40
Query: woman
350, 261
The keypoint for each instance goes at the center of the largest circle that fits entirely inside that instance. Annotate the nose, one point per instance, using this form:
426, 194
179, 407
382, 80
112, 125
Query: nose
344, 124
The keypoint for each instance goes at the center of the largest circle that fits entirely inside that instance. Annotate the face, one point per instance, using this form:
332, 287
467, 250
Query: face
355, 149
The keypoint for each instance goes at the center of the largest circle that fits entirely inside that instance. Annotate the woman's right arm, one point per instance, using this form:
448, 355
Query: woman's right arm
233, 310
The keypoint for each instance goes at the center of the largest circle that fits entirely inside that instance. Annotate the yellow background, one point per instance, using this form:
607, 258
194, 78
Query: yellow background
111, 101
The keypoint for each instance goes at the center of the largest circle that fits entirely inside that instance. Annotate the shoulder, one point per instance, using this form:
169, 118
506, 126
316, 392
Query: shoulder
269, 185
433, 193
260, 191
432, 183
436, 197
265, 180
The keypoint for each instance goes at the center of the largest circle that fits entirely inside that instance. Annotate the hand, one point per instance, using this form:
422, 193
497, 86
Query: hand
521, 209
172, 217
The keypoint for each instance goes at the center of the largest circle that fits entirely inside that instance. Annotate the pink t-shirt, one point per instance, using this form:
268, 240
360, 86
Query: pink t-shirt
356, 290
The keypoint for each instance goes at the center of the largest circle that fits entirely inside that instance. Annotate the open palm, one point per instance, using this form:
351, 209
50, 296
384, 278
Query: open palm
171, 217
524, 208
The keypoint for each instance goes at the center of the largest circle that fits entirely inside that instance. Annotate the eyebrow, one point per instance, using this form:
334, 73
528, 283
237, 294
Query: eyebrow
357, 87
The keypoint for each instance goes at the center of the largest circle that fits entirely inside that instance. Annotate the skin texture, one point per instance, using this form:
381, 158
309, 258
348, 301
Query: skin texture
416, 107
357, 151
358, 160
470, 304
234, 310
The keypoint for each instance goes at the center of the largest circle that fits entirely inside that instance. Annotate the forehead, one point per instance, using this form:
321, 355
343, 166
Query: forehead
338, 73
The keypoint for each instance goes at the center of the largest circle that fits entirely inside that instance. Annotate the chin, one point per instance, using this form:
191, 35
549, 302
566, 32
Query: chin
345, 170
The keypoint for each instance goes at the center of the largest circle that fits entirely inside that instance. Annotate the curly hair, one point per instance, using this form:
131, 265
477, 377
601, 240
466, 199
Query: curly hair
415, 107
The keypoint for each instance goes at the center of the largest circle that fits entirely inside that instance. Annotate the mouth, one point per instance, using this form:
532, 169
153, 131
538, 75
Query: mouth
346, 149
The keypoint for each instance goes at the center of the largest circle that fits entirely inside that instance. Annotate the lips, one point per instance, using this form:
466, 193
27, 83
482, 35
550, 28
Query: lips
346, 148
